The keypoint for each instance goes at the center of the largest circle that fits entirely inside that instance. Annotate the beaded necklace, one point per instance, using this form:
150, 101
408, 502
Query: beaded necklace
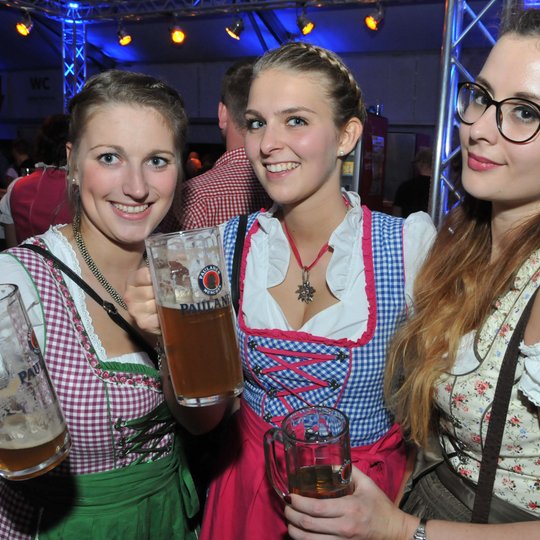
81, 246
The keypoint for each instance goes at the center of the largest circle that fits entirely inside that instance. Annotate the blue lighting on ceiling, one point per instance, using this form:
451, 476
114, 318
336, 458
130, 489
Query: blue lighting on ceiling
531, 3
73, 5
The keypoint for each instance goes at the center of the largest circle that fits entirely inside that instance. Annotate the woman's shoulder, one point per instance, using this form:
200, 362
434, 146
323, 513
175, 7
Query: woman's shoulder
419, 226
52, 240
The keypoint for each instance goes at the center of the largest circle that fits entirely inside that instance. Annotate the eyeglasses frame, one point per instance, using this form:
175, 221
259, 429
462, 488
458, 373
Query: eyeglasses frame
498, 114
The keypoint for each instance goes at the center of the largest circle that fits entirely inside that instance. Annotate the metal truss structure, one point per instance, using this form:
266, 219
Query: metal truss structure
74, 58
75, 15
460, 19
99, 10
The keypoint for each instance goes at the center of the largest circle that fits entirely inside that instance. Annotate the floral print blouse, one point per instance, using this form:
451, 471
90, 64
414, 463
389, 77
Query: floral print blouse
466, 394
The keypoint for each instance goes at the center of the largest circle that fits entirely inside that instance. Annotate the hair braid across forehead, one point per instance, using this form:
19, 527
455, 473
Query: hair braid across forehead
342, 71
338, 81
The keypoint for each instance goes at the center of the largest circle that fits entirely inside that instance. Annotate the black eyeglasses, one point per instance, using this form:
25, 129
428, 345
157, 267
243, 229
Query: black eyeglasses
518, 120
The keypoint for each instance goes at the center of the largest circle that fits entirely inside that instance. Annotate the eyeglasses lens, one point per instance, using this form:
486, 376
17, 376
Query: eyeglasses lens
519, 119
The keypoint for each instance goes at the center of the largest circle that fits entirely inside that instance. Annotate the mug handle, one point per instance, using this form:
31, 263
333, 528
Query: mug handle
272, 470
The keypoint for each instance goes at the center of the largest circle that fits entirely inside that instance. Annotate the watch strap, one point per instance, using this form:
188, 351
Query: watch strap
420, 533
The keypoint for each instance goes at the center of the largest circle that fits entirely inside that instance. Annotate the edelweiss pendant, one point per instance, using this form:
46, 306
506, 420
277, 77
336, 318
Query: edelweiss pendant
305, 291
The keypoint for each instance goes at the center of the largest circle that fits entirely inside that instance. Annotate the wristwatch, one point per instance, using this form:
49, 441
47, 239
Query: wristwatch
420, 533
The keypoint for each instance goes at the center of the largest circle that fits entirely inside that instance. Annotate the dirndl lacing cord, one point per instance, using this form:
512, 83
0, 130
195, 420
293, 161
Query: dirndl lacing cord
149, 431
282, 365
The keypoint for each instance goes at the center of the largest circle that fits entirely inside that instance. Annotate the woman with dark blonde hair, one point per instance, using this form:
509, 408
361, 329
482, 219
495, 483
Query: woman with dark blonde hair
464, 371
125, 476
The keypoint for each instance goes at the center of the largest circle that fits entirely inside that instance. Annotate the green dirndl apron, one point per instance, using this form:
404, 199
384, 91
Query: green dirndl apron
143, 501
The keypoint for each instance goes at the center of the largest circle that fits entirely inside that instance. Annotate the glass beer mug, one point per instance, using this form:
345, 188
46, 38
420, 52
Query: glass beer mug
317, 454
33, 433
196, 315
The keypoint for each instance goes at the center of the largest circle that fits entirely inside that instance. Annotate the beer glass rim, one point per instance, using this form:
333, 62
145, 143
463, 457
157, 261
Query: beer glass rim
313, 408
8, 291
158, 237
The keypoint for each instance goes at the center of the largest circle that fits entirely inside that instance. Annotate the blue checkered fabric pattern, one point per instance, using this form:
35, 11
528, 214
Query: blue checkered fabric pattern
287, 370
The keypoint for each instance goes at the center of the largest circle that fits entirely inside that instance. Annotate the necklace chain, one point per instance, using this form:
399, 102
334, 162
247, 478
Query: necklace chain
305, 290
81, 246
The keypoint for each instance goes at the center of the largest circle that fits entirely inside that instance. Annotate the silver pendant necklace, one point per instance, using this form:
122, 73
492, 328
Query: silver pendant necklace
305, 290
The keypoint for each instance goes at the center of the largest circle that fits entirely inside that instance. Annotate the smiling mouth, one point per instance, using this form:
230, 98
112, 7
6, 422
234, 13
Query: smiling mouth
131, 209
280, 167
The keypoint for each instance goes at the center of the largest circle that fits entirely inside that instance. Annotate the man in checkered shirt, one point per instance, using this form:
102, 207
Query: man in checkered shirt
230, 188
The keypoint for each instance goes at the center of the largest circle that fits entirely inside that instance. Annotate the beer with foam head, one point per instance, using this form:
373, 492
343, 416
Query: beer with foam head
196, 316
29, 448
33, 434
317, 453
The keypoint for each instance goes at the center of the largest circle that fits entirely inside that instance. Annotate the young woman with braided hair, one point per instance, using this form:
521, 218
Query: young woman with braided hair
471, 321
317, 336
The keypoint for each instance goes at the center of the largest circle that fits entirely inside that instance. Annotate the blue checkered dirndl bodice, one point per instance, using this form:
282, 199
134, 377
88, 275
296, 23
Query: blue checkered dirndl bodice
285, 370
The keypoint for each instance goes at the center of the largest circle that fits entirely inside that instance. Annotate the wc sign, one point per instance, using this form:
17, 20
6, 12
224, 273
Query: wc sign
32, 94
40, 83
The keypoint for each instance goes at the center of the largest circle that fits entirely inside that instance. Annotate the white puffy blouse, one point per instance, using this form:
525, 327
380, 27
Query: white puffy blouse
269, 258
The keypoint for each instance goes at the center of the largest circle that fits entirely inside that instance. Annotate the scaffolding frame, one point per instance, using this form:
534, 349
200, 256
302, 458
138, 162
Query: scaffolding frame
73, 58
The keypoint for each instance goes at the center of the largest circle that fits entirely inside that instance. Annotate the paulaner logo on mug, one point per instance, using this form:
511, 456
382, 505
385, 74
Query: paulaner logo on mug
210, 280
196, 316
34, 436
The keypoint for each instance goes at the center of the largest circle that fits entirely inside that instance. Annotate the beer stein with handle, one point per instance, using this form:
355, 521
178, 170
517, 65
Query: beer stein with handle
196, 315
33, 434
317, 454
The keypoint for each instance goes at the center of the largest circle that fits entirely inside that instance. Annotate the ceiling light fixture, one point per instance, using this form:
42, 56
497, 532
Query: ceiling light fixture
374, 20
24, 26
124, 37
236, 28
177, 34
305, 25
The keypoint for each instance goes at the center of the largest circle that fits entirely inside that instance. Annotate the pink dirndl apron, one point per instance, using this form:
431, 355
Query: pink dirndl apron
242, 504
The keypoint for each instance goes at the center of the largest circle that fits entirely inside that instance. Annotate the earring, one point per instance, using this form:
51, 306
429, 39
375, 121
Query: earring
341, 153
74, 181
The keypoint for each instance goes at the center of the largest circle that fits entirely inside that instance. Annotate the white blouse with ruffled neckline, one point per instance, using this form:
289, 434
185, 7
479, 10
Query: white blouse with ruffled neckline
269, 256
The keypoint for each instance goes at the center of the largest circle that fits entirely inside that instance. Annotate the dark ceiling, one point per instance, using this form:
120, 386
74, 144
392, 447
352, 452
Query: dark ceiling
408, 26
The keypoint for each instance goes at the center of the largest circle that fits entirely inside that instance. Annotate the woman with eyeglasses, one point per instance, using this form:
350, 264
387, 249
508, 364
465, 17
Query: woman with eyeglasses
464, 371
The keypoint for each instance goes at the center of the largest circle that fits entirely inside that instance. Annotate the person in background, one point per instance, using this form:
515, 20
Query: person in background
35, 202
125, 476
4, 164
413, 194
230, 188
324, 282
446, 362
22, 164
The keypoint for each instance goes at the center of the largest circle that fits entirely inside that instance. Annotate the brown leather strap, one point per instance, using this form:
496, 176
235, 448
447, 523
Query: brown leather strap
499, 411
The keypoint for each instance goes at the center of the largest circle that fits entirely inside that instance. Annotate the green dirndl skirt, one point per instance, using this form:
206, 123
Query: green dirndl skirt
156, 501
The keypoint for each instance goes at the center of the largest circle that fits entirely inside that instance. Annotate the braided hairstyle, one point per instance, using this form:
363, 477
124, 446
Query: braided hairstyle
337, 80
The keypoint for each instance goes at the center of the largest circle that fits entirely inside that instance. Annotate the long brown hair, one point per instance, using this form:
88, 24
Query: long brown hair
454, 292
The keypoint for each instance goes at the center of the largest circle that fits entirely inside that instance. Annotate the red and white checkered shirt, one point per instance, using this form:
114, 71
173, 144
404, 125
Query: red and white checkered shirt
227, 190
